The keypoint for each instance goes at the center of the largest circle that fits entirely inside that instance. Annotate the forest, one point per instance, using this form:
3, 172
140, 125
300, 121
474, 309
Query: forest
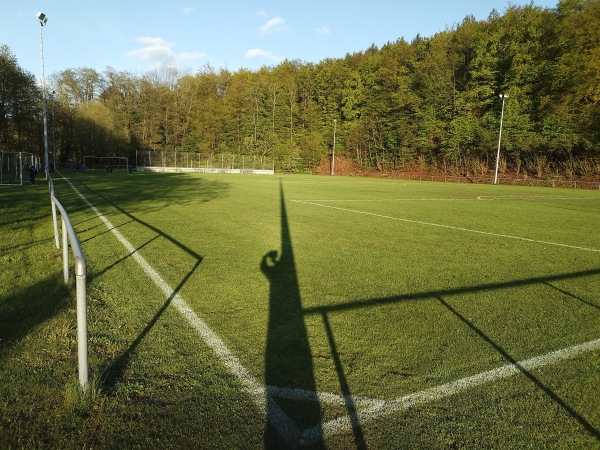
430, 104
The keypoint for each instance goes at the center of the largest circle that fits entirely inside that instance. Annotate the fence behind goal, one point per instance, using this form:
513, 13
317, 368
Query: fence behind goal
155, 161
104, 162
14, 164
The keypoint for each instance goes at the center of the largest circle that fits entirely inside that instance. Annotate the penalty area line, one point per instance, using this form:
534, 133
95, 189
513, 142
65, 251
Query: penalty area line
448, 227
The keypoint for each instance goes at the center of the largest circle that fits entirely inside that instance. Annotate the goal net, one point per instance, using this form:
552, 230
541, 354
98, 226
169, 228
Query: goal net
105, 162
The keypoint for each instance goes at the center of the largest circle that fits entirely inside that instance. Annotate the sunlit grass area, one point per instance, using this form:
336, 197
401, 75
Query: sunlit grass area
337, 296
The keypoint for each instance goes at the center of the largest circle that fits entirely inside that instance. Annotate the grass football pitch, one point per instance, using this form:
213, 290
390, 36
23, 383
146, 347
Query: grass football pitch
230, 311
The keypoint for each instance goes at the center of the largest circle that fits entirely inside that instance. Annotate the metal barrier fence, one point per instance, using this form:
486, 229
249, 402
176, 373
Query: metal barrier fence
195, 162
69, 236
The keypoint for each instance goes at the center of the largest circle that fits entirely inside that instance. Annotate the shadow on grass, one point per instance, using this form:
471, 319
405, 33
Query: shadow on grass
439, 295
568, 294
114, 371
31, 293
149, 191
553, 395
456, 291
288, 358
23, 310
26, 246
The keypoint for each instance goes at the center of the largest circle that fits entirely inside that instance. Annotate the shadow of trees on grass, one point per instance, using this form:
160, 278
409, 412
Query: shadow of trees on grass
23, 310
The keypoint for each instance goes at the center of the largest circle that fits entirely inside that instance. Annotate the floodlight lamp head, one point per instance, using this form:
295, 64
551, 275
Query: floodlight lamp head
42, 18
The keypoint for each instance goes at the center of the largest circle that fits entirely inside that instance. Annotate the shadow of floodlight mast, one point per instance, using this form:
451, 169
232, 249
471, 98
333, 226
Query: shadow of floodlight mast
288, 360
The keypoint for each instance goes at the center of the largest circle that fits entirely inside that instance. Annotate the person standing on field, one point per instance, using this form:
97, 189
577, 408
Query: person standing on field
32, 174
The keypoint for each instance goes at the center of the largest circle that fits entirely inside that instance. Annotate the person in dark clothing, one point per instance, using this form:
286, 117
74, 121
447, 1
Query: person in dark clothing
32, 174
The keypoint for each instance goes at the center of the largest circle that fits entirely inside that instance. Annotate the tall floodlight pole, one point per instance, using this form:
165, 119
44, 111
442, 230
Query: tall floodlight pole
53, 132
43, 19
333, 154
503, 97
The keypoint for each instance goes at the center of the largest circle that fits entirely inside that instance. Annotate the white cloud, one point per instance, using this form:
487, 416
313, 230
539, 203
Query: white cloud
322, 31
274, 25
189, 10
160, 52
187, 56
260, 53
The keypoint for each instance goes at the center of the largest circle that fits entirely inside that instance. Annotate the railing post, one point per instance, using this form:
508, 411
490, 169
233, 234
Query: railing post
65, 240
82, 338
56, 238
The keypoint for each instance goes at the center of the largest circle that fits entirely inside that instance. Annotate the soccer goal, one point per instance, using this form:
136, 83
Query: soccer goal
14, 164
105, 162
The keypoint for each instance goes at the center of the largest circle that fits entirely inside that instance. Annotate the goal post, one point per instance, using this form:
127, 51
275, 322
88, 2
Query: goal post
105, 162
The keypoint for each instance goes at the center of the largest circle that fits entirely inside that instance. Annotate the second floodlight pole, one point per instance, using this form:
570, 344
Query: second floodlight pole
333, 154
503, 97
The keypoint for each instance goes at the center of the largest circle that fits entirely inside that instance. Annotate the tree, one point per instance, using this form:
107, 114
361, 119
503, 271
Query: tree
19, 105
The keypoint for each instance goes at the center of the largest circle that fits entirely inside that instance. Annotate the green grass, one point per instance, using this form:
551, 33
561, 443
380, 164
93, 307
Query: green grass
379, 289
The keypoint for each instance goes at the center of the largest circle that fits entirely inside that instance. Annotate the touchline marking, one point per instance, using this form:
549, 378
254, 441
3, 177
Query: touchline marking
343, 424
286, 428
449, 227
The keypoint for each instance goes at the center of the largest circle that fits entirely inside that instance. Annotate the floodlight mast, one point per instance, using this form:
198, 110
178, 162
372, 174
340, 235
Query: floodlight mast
333, 154
503, 97
42, 18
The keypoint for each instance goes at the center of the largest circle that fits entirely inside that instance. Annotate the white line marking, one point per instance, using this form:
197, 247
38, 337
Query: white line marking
325, 398
449, 227
532, 197
351, 200
343, 424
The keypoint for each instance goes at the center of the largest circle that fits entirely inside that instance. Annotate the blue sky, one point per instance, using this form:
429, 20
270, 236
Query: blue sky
138, 36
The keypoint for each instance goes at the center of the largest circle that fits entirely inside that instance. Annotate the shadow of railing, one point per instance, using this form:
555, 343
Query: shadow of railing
114, 371
454, 291
545, 388
323, 311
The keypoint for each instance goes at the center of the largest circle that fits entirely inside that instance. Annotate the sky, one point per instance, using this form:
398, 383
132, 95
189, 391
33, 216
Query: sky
139, 36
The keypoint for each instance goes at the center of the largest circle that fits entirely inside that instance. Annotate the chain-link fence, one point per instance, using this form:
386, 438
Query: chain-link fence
196, 162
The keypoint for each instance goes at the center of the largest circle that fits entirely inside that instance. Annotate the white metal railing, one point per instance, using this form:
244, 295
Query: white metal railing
69, 236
